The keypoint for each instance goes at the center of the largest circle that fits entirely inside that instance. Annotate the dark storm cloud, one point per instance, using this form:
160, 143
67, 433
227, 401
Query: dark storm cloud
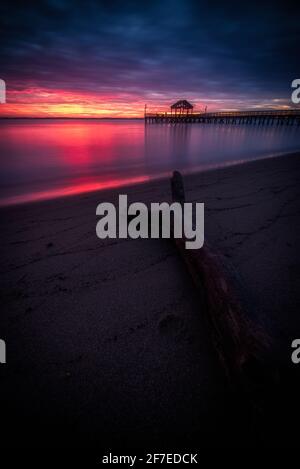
212, 49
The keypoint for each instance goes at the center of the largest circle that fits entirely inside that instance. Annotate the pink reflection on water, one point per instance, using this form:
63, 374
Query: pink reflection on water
71, 190
46, 158
51, 158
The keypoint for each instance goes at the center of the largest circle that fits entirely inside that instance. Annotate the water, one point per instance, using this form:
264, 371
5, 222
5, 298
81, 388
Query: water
50, 158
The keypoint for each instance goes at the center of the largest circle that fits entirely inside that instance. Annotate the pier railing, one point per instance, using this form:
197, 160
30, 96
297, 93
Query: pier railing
271, 116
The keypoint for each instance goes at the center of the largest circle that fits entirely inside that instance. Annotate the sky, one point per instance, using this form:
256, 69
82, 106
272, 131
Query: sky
62, 58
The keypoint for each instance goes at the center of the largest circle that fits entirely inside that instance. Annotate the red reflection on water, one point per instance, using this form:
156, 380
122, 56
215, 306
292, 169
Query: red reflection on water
71, 190
55, 157
46, 159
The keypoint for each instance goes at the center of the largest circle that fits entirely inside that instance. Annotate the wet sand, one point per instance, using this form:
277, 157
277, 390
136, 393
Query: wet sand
107, 340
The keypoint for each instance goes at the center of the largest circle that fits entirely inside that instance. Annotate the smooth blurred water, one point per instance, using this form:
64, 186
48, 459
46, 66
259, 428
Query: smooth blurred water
53, 157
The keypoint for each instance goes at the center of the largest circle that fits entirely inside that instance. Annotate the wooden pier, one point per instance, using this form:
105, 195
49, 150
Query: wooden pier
261, 117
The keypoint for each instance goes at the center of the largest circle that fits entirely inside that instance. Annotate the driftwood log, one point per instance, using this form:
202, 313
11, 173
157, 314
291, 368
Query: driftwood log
238, 343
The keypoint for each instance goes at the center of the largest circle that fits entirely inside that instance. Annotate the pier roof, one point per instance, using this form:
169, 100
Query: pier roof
182, 104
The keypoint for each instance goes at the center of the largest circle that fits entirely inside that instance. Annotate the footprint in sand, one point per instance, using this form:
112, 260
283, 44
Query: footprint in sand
171, 325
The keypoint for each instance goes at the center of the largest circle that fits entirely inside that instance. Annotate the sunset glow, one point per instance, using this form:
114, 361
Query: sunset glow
41, 102
62, 60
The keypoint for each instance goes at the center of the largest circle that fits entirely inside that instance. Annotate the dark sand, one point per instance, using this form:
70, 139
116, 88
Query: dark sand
107, 341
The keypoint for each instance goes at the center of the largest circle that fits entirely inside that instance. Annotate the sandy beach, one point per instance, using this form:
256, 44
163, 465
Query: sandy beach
107, 340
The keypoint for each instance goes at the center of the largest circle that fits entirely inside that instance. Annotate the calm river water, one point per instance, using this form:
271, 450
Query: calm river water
54, 157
